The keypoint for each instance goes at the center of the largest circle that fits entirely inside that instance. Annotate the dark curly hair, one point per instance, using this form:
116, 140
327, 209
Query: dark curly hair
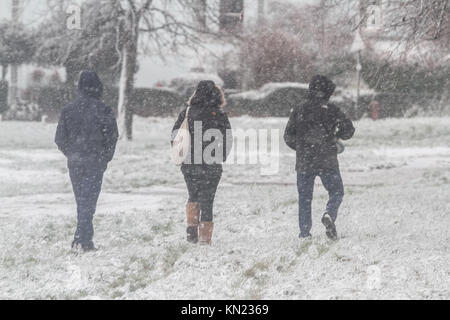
208, 94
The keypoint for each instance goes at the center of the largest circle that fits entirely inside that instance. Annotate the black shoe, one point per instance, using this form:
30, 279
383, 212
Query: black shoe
330, 227
305, 236
192, 234
84, 247
88, 247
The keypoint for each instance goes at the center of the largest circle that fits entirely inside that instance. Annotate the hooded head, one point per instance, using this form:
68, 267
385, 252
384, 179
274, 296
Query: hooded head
90, 84
207, 95
321, 88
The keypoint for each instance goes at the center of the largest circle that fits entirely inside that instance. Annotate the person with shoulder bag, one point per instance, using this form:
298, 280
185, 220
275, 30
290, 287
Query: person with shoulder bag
202, 171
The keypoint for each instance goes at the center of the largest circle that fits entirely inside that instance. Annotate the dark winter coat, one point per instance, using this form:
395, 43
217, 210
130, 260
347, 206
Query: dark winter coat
205, 109
314, 127
87, 129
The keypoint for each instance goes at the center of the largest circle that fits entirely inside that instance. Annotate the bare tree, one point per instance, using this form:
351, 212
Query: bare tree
419, 20
157, 25
115, 33
409, 23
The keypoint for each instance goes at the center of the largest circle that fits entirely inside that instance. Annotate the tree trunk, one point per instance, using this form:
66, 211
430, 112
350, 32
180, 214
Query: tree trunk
121, 108
4, 71
126, 88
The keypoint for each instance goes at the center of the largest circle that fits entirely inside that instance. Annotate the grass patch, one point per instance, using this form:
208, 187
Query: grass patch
162, 228
258, 266
322, 249
171, 255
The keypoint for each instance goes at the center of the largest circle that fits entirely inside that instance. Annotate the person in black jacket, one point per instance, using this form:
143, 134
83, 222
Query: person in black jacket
87, 135
202, 169
312, 131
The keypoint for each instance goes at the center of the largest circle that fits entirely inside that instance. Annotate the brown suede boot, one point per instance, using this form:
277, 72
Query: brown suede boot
206, 231
193, 217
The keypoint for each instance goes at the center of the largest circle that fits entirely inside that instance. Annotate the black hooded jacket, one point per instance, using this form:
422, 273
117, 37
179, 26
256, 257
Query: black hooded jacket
87, 129
205, 110
314, 127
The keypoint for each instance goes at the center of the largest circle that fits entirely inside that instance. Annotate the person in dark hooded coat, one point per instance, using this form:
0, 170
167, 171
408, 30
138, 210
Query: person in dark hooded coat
312, 131
202, 175
87, 134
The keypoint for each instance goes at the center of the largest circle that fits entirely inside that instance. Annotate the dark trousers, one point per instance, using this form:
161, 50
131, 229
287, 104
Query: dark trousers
87, 178
202, 183
332, 182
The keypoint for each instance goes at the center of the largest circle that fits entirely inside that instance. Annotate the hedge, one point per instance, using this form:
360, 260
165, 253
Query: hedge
51, 100
155, 102
3, 96
144, 102
281, 101
403, 87
158, 102
275, 104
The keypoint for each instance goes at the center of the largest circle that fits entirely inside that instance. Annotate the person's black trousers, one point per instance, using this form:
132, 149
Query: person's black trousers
87, 178
202, 183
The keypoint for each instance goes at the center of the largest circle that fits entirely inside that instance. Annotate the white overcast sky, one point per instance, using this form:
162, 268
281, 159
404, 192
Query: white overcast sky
34, 10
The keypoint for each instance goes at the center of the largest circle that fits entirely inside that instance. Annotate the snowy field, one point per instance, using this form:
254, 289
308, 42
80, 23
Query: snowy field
394, 223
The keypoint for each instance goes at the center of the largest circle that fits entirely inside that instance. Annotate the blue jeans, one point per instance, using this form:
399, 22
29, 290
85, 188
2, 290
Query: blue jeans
332, 182
87, 178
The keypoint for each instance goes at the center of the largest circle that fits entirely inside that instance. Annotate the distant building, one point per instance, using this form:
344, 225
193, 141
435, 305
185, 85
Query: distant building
234, 16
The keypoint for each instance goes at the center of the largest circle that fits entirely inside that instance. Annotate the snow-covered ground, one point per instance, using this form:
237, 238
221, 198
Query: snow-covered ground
394, 223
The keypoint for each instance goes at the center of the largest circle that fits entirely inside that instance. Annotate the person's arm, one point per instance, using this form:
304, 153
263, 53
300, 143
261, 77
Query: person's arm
177, 125
61, 133
111, 135
345, 128
290, 134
